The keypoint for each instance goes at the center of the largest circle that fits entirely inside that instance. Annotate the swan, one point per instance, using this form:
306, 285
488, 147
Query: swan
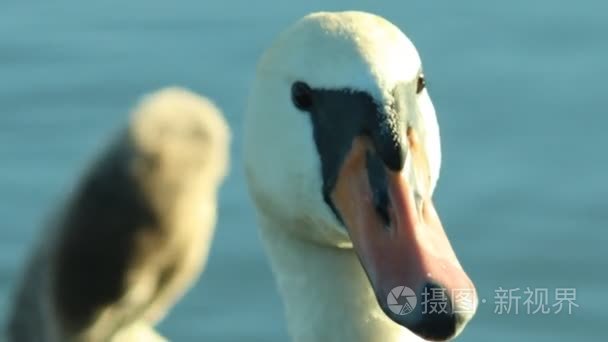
134, 234
342, 154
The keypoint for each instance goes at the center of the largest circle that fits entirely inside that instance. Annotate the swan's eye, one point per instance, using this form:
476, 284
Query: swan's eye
301, 95
421, 84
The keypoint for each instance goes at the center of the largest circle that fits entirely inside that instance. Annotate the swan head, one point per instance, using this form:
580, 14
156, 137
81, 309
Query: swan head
180, 136
341, 135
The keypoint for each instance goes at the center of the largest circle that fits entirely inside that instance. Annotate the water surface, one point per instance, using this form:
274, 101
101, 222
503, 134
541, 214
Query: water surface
519, 89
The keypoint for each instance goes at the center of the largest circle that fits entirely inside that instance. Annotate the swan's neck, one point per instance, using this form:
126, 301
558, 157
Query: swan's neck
326, 292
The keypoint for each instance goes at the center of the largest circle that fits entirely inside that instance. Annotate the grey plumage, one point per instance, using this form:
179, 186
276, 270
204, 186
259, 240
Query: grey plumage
134, 234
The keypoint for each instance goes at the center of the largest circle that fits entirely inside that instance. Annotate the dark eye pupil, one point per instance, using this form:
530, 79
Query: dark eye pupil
421, 84
301, 95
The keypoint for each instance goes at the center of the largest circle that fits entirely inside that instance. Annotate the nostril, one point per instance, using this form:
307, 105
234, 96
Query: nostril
378, 183
382, 210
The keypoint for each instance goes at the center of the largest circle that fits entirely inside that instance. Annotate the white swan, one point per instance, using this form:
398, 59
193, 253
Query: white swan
134, 234
342, 154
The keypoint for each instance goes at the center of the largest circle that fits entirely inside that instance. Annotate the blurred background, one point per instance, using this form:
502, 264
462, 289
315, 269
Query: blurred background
518, 87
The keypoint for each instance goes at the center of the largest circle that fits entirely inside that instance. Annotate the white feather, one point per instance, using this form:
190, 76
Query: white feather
326, 292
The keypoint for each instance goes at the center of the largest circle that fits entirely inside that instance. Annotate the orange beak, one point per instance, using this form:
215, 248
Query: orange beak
407, 249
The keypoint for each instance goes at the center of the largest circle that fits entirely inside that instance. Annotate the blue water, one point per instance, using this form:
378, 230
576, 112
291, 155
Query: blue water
519, 87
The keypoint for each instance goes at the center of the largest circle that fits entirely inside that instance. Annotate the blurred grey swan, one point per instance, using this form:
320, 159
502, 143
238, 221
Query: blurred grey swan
342, 154
135, 233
